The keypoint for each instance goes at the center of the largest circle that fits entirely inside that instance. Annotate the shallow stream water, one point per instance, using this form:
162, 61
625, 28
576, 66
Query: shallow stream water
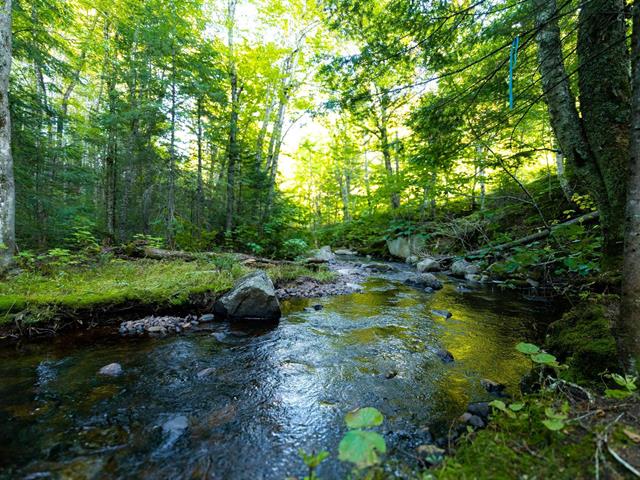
232, 403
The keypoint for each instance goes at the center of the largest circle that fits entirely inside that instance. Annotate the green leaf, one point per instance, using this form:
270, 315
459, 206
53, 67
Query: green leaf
500, 405
516, 407
554, 424
618, 394
527, 348
364, 418
544, 358
549, 412
361, 448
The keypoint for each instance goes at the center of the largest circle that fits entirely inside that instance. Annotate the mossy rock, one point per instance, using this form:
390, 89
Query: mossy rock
583, 340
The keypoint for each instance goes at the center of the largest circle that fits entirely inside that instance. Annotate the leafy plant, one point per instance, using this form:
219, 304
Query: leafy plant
312, 461
627, 382
294, 247
358, 446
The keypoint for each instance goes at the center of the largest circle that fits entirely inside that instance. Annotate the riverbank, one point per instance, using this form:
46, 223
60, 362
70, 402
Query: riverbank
46, 301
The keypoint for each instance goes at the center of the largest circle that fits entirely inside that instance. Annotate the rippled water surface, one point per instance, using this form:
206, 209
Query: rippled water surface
265, 394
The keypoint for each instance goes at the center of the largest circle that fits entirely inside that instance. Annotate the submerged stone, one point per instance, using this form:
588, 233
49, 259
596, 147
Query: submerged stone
111, 370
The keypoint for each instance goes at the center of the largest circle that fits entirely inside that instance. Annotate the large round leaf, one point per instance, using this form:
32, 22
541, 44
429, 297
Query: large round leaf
527, 348
364, 418
544, 358
361, 448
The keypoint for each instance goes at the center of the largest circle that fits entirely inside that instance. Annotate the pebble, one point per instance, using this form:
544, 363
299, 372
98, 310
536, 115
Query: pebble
111, 370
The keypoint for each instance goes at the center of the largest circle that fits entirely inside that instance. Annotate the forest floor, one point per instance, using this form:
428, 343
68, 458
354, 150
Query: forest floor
598, 439
46, 300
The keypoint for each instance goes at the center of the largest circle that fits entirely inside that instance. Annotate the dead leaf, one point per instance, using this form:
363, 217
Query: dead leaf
633, 436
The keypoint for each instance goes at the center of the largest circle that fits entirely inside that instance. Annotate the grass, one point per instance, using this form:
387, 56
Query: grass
40, 295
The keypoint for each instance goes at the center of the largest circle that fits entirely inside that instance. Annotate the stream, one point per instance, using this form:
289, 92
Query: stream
230, 403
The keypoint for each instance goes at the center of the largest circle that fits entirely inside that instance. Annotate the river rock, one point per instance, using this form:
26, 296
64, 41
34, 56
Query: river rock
207, 317
252, 298
173, 429
412, 259
206, 372
428, 265
445, 355
424, 280
345, 251
111, 370
481, 409
442, 313
462, 268
324, 254
380, 267
491, 386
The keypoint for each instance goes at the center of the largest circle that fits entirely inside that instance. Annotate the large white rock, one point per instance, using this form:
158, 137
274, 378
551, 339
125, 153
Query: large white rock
252, 298
324, 254
428, 265
404, 247
462, 268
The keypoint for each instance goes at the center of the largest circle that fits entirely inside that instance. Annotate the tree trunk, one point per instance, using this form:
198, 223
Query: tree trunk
628, 324
7, 185
605, 100
595, 146
171, 197
234, 148
199, 185
110, 157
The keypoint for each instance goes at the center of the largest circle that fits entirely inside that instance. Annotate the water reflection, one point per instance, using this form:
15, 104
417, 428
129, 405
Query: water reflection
239, 402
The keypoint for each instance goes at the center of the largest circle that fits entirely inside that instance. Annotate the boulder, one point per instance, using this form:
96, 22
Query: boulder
111, 370
424, 280
428, 265
324, 254
412, 259
345, 251
404, 247
252, 298
462, 268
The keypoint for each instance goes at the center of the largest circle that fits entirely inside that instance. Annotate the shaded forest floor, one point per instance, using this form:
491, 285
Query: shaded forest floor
600, 439
53, 297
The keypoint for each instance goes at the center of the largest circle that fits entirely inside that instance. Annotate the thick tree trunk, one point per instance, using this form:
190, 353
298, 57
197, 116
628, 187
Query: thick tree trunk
7, 185
628, 324
595, 145
605, 106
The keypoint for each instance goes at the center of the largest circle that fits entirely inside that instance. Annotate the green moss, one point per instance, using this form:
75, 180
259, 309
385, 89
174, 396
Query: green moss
522, 447
37, 297
582, 339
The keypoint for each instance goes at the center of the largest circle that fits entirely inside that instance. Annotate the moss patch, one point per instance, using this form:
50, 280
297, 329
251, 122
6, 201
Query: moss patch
523, 447
583, 340
38, 298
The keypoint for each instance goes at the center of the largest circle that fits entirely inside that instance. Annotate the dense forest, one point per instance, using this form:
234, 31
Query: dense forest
160, 159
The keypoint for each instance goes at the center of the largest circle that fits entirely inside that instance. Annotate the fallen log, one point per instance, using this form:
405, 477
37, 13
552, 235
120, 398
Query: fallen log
534, 236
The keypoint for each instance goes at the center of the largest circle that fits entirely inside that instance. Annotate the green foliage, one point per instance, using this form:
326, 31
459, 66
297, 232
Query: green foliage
312, 461
627, 382
362, 447
364, 418
294, 247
